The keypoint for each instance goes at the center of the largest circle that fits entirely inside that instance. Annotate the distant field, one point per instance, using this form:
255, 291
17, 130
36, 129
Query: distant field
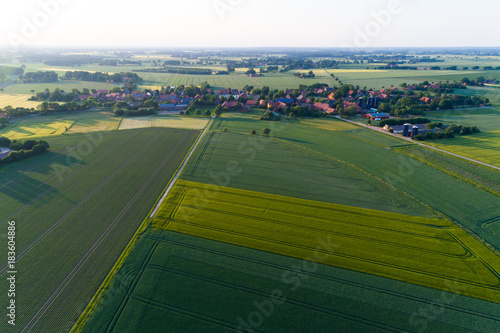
78, 207
179, 122
25, 88
32, 129
428, 252
378, 79
16, 101
484, 146
172, 281
164, 121
77, 122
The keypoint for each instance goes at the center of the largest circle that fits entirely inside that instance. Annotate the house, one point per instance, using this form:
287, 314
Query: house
398, 129
3, 115
168, 107
229, 105
377, 116
223, 92
251, 103
276, 105
426, 100
285, 100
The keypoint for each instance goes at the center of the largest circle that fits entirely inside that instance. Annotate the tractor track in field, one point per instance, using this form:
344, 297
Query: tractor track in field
344, 256
316, 275
266, 294
43, 194
36, 317
324, 231
202, 153
74, 208
187, 313
131, 288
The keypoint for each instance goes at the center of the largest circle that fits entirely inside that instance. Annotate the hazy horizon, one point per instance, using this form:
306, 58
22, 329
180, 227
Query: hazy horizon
248, 24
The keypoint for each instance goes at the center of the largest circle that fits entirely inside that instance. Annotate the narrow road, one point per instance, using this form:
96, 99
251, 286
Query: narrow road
177, 174
378, 129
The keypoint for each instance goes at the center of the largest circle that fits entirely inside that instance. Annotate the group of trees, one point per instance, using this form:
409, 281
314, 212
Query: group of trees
449, 132
52, 107
38, 77
131, 78
22, 149
402, 121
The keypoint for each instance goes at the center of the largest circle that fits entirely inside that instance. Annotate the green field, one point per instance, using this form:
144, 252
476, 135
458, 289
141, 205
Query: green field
423, 251
483, 146
242, 196
174, 281
335, 163
77, 207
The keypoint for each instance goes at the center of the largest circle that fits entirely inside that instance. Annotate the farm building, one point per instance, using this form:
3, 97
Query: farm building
377, 116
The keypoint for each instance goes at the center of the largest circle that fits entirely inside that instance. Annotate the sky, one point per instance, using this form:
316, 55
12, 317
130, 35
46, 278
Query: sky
250, 23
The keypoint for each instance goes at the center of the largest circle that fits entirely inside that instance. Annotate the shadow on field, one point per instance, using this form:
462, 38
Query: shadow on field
24, 188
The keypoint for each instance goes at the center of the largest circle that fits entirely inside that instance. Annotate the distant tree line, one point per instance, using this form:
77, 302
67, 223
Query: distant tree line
39, 77
102, 77
177, 70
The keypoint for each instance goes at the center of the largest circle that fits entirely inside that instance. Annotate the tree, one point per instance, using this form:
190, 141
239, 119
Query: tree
218, 112
4, 121
197, 112
4, 142
369, 122
446, 104
208, 113
253, 132
266, 131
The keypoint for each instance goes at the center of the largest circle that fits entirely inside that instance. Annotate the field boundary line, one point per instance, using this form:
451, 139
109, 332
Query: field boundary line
180, 169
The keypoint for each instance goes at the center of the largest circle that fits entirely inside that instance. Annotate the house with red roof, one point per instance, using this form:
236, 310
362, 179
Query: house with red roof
251, 103
358, 108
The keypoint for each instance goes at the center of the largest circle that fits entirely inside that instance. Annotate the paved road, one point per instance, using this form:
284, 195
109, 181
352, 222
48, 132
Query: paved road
378, 129
174, 180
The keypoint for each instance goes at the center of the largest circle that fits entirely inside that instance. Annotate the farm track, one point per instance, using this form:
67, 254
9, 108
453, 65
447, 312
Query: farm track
36, 317
329, 278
